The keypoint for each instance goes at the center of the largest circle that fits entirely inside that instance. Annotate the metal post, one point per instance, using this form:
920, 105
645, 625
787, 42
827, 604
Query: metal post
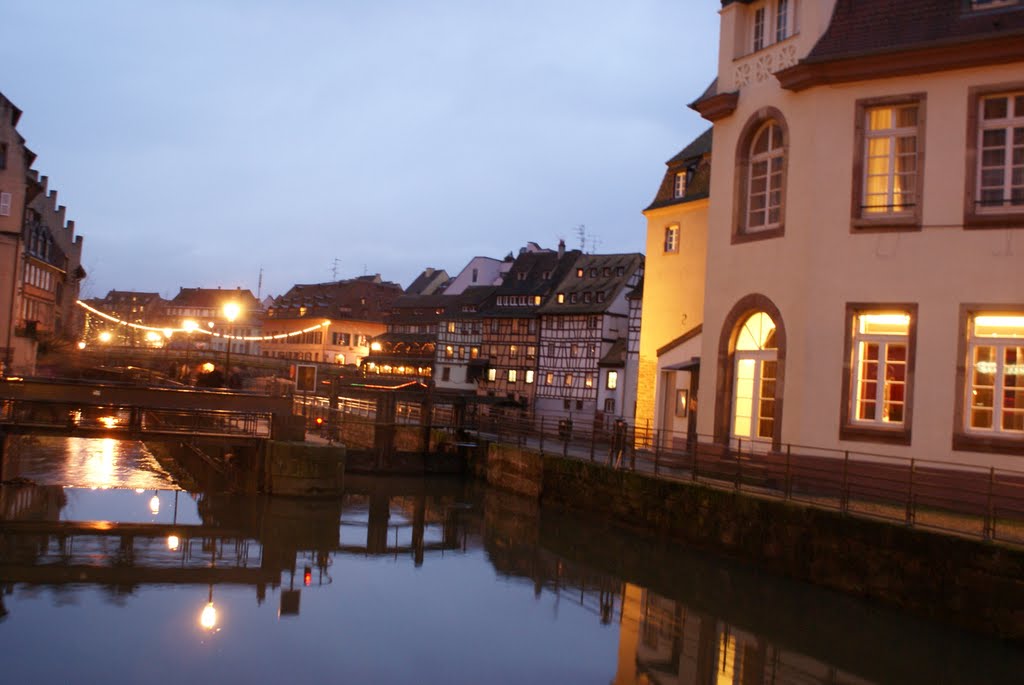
789, 472
657, 449
989, 532
739, 463
844, 496
542, 434
910, 494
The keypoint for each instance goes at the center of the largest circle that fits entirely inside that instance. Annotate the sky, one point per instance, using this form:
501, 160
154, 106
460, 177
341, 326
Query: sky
196, 142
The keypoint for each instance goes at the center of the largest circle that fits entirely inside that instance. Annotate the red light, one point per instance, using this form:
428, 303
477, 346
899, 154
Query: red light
319, 421
307, 576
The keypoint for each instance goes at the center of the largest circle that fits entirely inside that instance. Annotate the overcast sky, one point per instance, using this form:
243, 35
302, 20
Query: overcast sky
196, 141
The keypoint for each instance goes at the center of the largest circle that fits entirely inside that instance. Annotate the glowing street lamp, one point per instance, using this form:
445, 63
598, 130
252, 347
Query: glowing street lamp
105, 337
231, 311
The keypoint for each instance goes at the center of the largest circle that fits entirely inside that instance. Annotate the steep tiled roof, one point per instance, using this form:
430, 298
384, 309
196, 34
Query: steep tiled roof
213, 298
616, 355
527, 277
861, 27
603, 277
695, 159
358, 298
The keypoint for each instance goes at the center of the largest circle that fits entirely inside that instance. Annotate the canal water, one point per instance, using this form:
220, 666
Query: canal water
110, 573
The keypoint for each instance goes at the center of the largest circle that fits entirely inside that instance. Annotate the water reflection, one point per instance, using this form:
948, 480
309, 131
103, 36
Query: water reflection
95, 463
420, 581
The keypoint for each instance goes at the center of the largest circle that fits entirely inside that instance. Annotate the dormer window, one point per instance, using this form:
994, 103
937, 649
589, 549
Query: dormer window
561, 298
579, 273
680, 186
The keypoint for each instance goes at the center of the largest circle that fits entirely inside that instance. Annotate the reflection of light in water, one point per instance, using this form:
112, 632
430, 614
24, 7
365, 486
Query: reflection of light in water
172, 542
101, 464
154, 504
139, 491
208, 617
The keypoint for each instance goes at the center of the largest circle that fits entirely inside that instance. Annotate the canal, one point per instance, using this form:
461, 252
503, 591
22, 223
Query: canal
109, 572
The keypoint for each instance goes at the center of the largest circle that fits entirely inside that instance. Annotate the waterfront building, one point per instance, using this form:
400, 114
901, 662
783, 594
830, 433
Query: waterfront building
673, 295
53, 270
511, 325
459, 364
15, 159
355, 311
863, 287
207, 310
132, 306
406, 350
583, 338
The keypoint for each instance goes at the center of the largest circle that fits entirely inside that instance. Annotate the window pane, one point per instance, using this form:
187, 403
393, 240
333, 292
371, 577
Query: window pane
995, 108
879, 118
906, 117
993, 137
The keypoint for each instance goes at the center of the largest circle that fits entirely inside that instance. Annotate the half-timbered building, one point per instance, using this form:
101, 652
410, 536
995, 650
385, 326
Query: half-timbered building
587, 315
459, 364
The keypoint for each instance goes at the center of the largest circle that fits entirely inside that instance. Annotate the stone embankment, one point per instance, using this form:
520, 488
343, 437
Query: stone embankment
970, 583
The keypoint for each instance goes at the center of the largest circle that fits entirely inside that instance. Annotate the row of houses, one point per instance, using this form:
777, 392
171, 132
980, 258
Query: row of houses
836, 263
40, 256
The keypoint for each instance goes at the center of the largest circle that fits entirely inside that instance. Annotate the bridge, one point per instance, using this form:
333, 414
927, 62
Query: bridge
91, 409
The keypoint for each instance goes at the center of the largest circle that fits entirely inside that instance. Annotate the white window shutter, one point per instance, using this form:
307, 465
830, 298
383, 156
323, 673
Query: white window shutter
5, 204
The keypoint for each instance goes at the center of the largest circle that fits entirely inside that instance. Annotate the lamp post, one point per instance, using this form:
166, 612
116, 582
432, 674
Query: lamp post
231, 310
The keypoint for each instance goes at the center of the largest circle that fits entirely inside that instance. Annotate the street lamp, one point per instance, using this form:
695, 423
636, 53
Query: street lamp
231, 311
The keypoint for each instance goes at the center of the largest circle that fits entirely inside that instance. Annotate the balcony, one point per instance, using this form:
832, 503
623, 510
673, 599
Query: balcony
761, 65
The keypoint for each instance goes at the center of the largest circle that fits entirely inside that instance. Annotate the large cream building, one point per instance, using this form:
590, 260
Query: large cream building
865, 262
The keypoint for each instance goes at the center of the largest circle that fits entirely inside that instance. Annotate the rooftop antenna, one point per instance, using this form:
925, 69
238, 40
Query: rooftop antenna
581, 233
334, 269
594, 242
259, 286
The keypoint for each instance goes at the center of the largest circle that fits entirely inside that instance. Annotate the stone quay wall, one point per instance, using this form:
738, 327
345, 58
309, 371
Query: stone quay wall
973, 584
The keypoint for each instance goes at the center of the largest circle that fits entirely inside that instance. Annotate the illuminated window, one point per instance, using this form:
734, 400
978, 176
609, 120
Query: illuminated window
756, 369
579, 273
672, 238
549, 379
612, 381
513, 375
561, 298
529, 375
474, 353
588, 382
881, 350
568, 379
449, 351
492, 375
451, 326
890, 175
995, 376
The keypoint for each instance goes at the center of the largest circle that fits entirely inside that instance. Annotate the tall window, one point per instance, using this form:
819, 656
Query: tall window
759, 20
764, 188
513, 375
782, 20
995, 375
891, 165
1000, 173
612, 381
672, 238
881, 347
755, 379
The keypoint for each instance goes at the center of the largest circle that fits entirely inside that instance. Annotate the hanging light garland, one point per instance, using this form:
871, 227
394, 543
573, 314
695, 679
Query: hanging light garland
167, 331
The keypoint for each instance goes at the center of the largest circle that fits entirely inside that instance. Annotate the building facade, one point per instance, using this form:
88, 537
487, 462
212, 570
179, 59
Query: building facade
863, 288
584, 338
673, 302
353, 312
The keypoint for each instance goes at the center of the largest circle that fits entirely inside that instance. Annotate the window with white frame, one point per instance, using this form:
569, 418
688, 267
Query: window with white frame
891, 165
612, 381
772, 21
680, 185
672, 238
881, 348
5, 204
995, 378
1000, 173
765, 175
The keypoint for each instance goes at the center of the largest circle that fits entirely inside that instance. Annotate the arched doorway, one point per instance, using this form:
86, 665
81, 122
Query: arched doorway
751, 374
755, 373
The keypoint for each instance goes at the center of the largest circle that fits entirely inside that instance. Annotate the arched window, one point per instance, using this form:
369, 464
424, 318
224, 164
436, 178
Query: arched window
761, 165
756, 371
751, 374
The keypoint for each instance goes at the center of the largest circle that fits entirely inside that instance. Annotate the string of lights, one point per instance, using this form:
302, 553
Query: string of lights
168, 331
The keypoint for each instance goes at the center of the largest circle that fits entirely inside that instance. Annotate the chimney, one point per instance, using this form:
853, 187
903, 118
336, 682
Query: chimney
561, 249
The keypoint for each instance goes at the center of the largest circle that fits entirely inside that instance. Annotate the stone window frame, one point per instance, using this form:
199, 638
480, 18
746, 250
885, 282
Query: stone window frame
670, 244
889, 222
988, 218
860, 432
964, 440
744, 143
